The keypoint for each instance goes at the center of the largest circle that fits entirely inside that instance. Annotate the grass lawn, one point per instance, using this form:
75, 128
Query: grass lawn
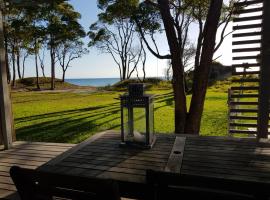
73, 117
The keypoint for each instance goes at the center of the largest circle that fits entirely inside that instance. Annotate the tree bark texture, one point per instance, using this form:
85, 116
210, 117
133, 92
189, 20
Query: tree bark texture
177, 66
201, 72
18, 65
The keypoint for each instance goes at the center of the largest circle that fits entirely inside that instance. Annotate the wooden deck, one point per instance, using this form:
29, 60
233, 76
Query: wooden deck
100, 156
229, 158
28, 155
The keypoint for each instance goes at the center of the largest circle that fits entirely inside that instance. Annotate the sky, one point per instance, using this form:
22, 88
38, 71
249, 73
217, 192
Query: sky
99, 65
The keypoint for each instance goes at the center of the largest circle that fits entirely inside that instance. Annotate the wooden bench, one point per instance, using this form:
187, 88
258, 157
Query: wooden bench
164, 185
35, 185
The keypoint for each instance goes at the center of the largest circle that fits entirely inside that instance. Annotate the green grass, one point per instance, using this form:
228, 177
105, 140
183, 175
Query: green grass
73, 117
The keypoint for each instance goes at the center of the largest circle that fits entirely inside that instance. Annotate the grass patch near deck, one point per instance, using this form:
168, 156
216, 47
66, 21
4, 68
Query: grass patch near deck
74, 116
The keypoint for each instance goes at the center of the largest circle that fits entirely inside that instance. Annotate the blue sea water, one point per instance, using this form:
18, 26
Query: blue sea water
97, 82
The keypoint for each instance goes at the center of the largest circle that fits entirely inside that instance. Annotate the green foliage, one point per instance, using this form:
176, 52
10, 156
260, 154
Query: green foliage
117, 9
148, 18
29, 84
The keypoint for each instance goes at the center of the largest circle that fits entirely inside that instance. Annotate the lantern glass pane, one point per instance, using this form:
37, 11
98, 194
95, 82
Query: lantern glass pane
139, 125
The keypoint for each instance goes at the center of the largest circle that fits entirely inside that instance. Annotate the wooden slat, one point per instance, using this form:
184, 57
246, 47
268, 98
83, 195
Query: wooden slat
243, 103
244, 110
242, 131
246, 50
246, 65
248, 34
246, 42
246, 73
243, 117
243, 125
247, 3
45, 144
249, 10
246, 57
176, 156
246, 80
249, 26
244, 96
245, 88
243, 19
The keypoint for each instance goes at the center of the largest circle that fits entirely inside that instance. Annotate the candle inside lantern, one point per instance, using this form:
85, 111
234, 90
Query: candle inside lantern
138, 137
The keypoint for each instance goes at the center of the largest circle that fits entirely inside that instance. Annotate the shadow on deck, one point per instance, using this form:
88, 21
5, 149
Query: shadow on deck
28, 155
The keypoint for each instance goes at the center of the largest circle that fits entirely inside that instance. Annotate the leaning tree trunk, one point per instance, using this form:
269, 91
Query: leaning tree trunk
23, 66
201, 72
177, 65
18, 65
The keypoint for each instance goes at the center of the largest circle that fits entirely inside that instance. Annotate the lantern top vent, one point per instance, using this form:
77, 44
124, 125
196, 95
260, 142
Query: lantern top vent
136, 89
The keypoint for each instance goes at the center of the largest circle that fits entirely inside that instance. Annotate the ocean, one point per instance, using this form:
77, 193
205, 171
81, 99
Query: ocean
96, 82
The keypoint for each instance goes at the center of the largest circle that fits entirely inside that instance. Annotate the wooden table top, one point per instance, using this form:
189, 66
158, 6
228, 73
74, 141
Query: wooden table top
101, 156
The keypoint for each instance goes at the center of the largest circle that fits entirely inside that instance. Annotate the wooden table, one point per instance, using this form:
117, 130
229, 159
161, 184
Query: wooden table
101, 156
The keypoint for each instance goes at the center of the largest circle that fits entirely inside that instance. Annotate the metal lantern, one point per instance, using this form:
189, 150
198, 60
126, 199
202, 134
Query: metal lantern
137, 117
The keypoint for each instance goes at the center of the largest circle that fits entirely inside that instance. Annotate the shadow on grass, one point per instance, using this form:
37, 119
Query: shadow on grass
75, 125
68, 126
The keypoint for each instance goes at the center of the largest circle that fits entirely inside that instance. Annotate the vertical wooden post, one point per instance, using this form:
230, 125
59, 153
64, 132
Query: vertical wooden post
5, 102
264, 92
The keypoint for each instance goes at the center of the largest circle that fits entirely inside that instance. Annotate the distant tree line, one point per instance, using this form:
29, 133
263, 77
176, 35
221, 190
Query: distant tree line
34, 29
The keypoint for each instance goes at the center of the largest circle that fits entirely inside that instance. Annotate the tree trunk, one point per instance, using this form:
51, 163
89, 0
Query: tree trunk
18, 65
37, 75
199, 46
201, 72
41, 61
36, 61
43, 72
13, 67
177, 65
63, 76
180, 109
143, 62
23, 67
124, 71
52, 68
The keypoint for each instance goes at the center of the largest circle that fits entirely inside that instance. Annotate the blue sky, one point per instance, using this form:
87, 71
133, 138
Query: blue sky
98, 65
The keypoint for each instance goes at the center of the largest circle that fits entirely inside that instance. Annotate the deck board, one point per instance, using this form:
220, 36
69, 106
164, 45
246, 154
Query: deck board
28, 155
243, 159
